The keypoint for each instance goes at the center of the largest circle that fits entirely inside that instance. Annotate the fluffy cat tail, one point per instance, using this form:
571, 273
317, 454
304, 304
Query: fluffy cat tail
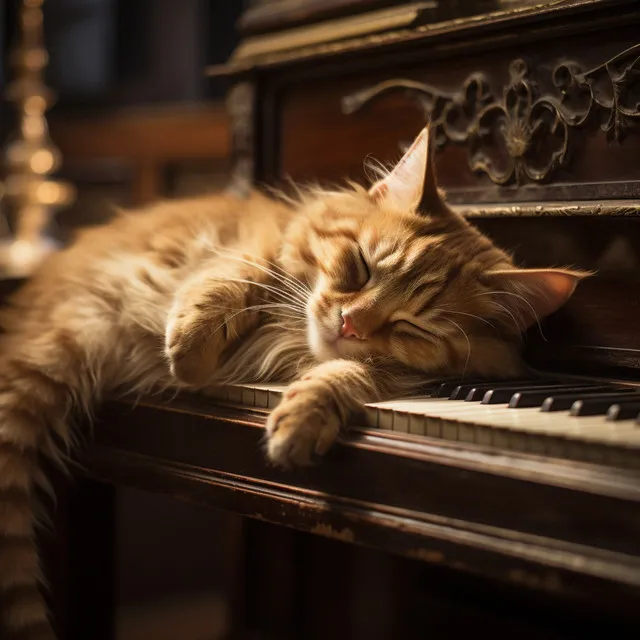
34, 407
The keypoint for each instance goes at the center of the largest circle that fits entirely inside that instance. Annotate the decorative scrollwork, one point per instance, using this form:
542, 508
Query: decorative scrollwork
524, 136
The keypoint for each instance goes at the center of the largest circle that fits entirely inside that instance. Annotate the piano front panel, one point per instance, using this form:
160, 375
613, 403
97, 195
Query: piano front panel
529, 119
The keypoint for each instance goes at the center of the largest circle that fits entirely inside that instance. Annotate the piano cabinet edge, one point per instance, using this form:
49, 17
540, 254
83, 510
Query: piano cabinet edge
608, 582
618, 482
213, 457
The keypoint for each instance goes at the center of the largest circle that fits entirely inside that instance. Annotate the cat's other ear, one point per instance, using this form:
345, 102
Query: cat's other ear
529, 295
412, 184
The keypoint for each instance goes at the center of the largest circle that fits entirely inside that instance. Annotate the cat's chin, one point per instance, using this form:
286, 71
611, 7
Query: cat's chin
324, 350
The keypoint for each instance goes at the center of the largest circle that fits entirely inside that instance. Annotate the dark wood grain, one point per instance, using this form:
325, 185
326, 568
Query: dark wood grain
270, 15
320, 141
147, 138
80, 560
516, 518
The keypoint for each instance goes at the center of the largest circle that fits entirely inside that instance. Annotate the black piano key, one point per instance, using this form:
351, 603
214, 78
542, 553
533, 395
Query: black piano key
599, 404
477, 393
565, 402
503, 395
462, 392
535, 398
446, 388
623, 411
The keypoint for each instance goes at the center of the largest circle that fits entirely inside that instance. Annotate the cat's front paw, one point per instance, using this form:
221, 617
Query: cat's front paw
193, 345
305, 424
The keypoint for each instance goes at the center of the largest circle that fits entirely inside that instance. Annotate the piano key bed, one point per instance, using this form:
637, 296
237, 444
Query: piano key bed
579, 420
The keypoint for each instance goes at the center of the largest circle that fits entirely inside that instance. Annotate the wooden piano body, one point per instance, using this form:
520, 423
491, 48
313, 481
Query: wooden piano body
538, 120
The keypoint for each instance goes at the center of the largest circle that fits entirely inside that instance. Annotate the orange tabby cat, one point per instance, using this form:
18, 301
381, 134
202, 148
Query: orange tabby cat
350, 296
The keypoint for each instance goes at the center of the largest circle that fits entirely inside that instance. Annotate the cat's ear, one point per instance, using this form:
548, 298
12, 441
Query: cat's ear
412, 184
402, 186
529, 295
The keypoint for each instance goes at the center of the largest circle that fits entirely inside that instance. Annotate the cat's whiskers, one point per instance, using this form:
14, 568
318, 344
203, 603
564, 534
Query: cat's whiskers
466, 337
237, 313
523, 299
508, 312
270, 305
295, 284
470, 315
271, 308
271, 289
281, 274
293, 329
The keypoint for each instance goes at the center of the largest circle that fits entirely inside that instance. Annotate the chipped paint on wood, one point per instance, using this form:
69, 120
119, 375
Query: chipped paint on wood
345, 535
427, 555
550, 581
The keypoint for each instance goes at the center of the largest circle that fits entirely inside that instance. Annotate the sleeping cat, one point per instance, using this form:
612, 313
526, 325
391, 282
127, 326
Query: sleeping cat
350, 296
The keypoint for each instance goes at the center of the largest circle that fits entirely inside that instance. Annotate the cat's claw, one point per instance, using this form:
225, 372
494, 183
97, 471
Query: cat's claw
303, 426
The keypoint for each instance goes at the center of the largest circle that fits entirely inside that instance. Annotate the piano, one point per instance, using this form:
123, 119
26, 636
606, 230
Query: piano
511, 506
561, 417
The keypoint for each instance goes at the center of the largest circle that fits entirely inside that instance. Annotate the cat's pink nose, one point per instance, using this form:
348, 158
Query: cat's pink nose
348, 328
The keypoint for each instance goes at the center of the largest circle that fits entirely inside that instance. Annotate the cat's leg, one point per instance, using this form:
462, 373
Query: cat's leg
313, 409
209, 314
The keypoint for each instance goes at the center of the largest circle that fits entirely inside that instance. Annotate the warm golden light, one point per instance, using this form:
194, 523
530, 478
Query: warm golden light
33, 127
42, 161
30, 156
35, 105
49, 193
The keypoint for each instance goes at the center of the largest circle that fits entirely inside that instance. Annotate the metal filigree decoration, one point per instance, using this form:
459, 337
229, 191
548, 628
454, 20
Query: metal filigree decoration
30, 157
524, 136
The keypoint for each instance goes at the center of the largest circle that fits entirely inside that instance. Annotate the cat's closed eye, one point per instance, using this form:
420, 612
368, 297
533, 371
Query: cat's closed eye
409, 328
357, 273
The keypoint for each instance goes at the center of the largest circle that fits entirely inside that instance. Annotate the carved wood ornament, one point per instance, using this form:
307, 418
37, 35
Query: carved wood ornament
524, 136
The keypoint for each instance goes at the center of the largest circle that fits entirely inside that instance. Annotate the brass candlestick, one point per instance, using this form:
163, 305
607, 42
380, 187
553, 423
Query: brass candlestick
30, 157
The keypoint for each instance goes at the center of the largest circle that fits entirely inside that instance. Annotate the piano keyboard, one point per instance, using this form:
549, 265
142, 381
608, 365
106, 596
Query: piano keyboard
590, 421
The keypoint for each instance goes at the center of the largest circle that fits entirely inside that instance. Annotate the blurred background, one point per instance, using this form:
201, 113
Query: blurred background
134, 116
135, 119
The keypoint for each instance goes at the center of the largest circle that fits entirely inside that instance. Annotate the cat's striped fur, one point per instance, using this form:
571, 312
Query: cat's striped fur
220, 290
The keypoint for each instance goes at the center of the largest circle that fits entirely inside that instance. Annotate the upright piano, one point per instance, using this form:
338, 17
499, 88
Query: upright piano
510, 507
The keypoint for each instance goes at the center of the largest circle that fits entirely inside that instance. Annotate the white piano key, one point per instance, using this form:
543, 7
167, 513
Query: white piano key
371, 414
400, 422
385, 420
433, 426
465, 432
591, 438
261, 394
530, 421
248, 396
417, 424
235, 393
262, 398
